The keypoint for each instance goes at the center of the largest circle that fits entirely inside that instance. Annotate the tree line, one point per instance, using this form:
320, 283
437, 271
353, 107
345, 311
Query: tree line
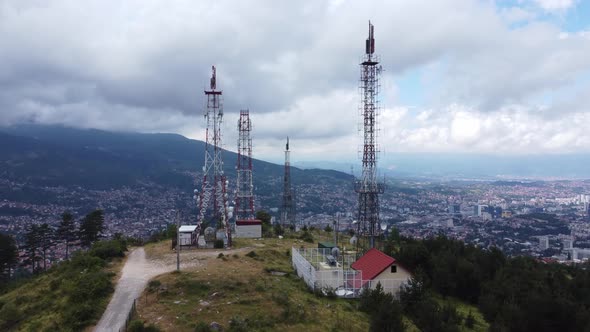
38, 239
513, 293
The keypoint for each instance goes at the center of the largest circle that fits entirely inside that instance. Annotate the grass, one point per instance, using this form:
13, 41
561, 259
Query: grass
464, 309
51, 301
240, 292
158, 250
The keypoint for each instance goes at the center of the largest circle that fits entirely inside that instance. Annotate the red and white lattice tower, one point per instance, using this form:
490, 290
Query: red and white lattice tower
244, 190
214, 187
367, 187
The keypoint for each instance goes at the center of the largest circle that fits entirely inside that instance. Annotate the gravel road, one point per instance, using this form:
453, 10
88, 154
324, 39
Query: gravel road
136, 273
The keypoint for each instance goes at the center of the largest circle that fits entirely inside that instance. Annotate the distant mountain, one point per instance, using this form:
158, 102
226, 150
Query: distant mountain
562, 166
96, 159
469, 166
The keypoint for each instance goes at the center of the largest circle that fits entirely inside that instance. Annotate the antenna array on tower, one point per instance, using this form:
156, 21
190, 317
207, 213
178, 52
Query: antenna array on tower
214, 185
367, 187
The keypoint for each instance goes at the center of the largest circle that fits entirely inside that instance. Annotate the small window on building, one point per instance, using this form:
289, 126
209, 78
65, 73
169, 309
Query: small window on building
394, 269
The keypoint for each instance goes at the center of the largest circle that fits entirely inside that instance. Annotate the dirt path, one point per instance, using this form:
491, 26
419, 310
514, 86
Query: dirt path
138, 270
136, 273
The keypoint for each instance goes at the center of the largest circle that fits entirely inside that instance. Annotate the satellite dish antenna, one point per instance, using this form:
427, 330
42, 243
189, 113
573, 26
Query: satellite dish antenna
353, 240
383, 227
354, 221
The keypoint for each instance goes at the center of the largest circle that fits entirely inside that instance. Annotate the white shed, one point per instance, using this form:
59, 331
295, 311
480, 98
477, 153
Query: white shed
188, 235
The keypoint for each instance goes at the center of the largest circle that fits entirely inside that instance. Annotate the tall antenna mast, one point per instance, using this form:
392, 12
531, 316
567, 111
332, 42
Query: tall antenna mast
367, 187
288, 208
214, 185
244, 190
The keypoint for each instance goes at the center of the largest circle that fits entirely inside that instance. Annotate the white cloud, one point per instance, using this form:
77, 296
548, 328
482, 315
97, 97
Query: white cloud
514, 129
517, 14
465, 128
138, 65
555, 5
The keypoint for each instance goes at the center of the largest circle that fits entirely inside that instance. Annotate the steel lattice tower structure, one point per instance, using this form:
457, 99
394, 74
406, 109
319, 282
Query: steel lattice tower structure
288, 208
214, 186
244, 194
367, 187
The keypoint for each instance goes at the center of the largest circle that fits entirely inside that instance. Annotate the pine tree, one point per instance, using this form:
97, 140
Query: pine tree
67, 230
8, 254
32, 245
46, 236
91, 227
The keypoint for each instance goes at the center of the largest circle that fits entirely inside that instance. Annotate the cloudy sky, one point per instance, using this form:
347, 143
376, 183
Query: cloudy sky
502, 77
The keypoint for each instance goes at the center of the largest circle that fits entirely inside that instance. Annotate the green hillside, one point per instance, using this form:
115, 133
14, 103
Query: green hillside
68, 297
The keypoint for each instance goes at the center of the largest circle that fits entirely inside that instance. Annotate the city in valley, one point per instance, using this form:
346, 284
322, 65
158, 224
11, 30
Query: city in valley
545, 219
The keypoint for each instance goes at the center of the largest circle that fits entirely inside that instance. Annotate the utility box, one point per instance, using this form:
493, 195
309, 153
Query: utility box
249, 228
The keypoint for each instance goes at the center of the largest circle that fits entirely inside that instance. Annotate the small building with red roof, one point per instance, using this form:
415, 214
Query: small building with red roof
377, 267
325, 270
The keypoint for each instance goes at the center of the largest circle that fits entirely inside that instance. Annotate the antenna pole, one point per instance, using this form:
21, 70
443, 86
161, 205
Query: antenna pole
367, 187
288, 207
177, 241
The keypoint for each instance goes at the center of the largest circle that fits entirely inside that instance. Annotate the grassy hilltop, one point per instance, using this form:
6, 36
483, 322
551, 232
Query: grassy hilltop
252, 288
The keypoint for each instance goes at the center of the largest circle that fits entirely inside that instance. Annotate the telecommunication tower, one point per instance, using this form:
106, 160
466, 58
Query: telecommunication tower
367, 187
288, 208
244, 194
214, 185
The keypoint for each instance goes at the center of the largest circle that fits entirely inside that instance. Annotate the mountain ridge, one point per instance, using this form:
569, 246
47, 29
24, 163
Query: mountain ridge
55, 156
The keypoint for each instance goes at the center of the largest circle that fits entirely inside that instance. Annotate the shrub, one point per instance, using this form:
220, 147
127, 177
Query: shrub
139, 326
9, 316
202, 327
238, 324
281, 299
307, 237
87, 287
78, 316
470, 321
81, 261
278, 229
384, 310
135, 326
153, 285
108, 249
